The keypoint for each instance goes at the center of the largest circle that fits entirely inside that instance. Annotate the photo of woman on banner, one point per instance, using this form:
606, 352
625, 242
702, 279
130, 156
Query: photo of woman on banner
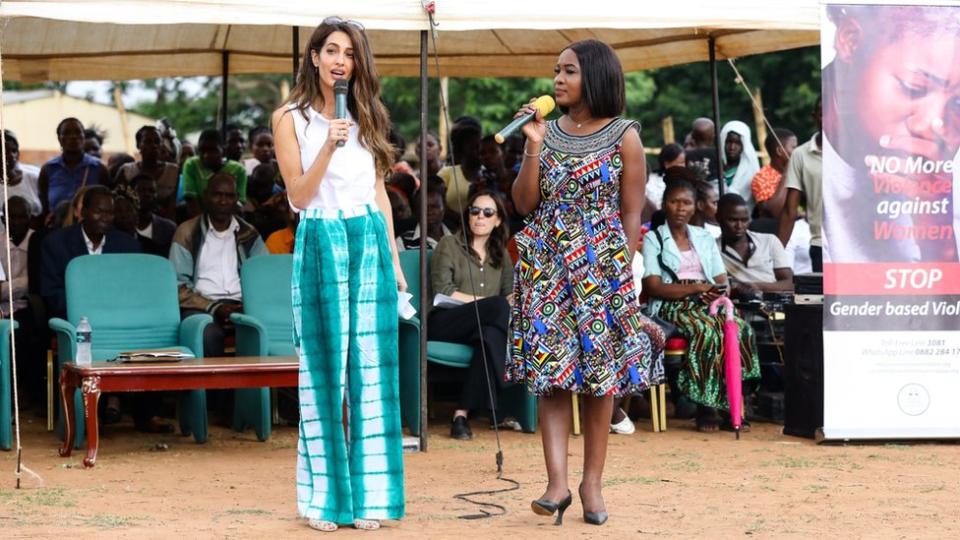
891, 134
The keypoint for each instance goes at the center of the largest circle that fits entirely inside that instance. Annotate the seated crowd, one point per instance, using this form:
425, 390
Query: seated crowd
208, 210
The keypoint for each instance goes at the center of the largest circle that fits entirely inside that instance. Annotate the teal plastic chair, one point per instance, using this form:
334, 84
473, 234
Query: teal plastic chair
6, 389
131, 302
513, 401
265, 328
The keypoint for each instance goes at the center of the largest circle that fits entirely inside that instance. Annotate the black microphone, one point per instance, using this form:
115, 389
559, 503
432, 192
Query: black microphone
340, 88
543, 104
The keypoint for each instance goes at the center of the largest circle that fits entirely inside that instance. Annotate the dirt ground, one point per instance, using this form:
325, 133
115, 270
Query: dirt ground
675, 484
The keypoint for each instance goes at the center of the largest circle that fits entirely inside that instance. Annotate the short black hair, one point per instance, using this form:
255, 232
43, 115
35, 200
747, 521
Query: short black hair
95, 191
773, 141
601, 78
19, 202
220, 176
69, 119
667, 154
461, 133
466, 121
142, 131
232, 127
91, 133
210, 135
728, 202
703, 189
253, 133
10, 136
677, 185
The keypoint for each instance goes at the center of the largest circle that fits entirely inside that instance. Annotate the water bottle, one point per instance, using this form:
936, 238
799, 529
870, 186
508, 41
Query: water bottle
84, 343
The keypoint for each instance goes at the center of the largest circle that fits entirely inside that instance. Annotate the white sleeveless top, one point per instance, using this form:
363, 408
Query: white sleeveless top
351, 176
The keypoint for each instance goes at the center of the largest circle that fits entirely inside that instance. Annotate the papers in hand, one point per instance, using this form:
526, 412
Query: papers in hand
404, 307
444, 301
164, 355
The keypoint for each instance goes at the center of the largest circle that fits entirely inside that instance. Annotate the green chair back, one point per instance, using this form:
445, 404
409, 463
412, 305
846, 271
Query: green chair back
410, 264
130, 300
267, 297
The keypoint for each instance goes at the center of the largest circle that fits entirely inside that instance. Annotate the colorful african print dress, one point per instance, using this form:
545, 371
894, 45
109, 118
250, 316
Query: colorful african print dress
575, 323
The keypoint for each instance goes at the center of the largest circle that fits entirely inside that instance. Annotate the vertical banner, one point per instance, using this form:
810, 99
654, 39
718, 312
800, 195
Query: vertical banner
891, 177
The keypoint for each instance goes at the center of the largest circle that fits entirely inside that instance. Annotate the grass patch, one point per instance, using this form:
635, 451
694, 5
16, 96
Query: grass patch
247, 512
645, 480
49, 497
816, 488
789, 463
108, 521
686, 465
930, 488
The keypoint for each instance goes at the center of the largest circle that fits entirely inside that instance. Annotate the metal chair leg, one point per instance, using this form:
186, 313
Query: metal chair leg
50, 390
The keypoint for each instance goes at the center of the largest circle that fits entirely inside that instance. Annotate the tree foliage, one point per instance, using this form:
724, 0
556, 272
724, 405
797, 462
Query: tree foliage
789, 82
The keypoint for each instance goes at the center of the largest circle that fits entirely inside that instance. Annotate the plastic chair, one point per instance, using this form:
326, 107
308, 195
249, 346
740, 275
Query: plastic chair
6, 389
265, 328
514, 400
131, 302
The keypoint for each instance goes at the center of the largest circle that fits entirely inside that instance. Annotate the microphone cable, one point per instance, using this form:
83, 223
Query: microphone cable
487, 509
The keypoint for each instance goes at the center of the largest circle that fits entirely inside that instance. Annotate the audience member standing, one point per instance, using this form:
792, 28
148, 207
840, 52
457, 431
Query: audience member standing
62, 176
703, 156
804, 180
740, 163
166, 175
21, 178
769, 189
210, 160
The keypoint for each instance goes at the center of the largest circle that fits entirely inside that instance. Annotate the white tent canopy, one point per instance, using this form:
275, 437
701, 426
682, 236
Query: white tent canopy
135, 39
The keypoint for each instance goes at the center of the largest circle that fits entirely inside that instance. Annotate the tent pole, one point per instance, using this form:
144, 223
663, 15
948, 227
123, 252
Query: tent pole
424, 296
715, 86
296, 52
224, 81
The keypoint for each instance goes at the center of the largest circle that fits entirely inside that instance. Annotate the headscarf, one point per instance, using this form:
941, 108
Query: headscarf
749, 164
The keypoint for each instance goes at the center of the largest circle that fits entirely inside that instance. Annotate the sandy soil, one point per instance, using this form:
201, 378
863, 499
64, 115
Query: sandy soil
674, 484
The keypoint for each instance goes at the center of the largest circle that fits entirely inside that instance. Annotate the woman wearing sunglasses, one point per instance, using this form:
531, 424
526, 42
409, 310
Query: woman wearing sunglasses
474, 269
345, 279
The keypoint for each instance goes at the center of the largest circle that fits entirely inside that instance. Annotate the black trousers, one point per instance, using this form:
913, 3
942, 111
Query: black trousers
816, 258
459, 325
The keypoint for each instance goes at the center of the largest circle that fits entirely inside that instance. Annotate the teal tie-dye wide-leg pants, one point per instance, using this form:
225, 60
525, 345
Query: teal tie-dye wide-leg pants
345, 328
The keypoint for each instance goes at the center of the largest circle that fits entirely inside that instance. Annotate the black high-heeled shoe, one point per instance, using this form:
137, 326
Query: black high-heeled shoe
593, 518
543, 507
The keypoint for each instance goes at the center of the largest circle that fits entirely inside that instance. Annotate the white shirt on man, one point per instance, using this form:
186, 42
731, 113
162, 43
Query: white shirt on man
768, 255
218, 274
93, 249
27, 188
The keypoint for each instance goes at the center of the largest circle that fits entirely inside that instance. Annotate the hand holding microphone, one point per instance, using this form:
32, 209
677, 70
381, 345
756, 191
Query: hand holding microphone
340, 127
530, 119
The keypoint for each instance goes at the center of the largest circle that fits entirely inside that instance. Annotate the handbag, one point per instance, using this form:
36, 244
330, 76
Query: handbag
669, 329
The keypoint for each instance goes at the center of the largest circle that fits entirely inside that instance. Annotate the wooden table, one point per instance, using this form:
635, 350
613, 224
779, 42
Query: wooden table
194, 374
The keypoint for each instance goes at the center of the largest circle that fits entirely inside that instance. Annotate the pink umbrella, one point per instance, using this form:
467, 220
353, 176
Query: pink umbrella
731, 350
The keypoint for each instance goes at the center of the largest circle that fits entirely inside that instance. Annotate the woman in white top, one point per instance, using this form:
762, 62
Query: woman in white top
345, 279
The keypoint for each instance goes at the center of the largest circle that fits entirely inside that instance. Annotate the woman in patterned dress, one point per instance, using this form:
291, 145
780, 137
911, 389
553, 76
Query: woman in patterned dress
575, 324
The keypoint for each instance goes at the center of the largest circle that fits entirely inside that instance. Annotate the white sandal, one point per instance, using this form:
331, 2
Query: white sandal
623, 427
322, 525
366, 524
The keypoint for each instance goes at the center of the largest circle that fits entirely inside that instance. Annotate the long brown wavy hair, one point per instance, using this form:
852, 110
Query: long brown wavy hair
363, 98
